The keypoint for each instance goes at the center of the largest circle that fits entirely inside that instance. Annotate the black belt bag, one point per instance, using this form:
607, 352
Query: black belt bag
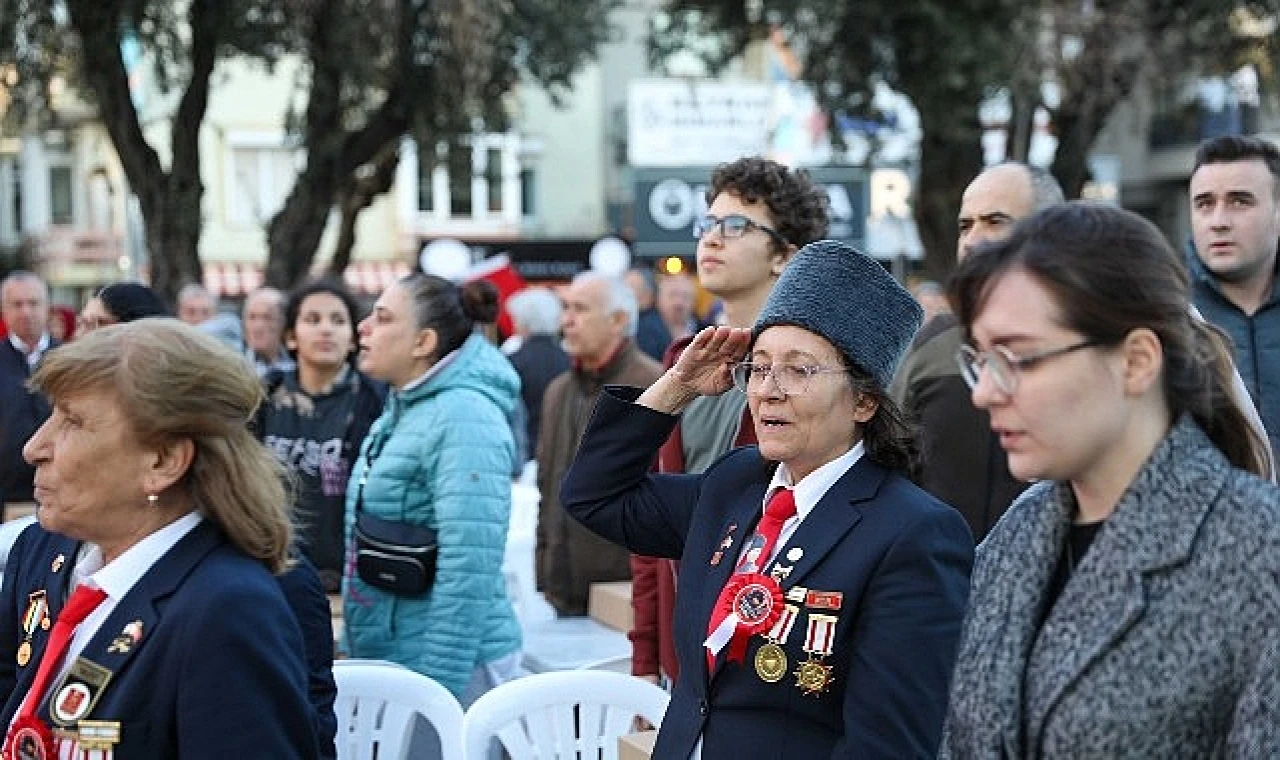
393, 556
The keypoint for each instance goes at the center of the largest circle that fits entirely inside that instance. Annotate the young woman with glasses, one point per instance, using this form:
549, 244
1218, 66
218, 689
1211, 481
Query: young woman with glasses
1124, 606
820, 593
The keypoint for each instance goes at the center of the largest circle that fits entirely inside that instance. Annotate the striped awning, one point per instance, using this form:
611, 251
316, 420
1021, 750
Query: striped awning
235, 279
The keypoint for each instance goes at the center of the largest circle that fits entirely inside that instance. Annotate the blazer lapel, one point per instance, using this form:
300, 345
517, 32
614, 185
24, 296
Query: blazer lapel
127, 629
832, 517
1153, 527
1021, 576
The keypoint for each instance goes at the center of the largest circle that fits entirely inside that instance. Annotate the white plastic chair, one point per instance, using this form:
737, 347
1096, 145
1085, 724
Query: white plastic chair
376, 707
561, 716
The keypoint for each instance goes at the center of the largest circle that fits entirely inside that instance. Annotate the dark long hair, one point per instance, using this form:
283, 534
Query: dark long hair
889, 440
1110, 272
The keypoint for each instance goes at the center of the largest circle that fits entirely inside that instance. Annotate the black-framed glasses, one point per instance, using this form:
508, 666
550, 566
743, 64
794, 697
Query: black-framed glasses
733, 226
1006, 367
791, 379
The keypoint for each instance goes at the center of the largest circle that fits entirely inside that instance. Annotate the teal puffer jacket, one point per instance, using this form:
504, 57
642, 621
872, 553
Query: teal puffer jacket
445, 461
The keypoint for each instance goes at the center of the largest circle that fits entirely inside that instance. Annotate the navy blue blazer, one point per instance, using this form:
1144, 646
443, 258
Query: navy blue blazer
898, 559
217, 673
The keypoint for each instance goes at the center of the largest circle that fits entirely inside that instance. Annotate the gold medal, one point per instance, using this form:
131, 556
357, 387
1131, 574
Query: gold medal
24, 654
813, 677
771, 663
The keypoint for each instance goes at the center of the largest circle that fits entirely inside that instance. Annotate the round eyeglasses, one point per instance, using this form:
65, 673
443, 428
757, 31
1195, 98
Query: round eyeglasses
1004, 366
790, 379
733, 226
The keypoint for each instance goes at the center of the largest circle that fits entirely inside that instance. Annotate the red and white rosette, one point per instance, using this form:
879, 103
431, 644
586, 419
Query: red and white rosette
29, 739
751, 604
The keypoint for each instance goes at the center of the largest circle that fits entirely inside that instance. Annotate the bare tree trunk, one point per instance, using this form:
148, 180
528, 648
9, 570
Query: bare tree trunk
357, 196
333, 154
950, 157
1022, 120
170, 201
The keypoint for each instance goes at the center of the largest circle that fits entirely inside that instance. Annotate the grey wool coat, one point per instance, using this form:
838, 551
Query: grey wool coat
1165, 643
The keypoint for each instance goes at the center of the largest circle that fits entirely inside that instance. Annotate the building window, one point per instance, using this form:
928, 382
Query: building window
15, 197
60, 195
260, 181
528, 187
472, 178
460, 168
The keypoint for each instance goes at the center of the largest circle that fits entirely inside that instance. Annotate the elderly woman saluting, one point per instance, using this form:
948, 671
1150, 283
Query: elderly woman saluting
820, 592
141, 616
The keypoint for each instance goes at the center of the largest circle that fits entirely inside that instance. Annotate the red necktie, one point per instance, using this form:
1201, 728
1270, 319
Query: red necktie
782, 507
84, 600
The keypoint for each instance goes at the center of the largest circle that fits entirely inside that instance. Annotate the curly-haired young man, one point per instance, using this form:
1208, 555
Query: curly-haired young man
759, 214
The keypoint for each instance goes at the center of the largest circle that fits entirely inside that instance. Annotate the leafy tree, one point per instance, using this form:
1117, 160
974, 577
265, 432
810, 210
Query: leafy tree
434, 69
80, 41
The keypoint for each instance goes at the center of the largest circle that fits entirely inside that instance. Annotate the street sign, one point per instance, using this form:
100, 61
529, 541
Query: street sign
669, 201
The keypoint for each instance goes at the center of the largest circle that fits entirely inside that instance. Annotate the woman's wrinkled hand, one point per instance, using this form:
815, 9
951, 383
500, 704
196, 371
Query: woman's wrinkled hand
705, 367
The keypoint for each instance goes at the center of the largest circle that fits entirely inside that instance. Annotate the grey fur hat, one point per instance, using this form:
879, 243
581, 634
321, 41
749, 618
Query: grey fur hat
840, 293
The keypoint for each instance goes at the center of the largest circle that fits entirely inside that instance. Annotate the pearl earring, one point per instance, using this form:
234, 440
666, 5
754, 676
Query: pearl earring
152, 499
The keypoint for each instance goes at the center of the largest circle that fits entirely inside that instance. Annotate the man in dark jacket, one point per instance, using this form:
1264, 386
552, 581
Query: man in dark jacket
963, 462
1235, 223
24, 306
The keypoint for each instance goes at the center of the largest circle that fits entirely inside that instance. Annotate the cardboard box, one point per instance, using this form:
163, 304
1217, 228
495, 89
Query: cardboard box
637, 746
610, 604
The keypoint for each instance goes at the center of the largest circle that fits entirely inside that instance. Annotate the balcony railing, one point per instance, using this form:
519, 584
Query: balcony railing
71, 245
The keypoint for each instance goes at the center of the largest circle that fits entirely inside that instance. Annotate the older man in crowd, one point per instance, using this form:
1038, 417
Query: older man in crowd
263, 317
599, 324
24, 306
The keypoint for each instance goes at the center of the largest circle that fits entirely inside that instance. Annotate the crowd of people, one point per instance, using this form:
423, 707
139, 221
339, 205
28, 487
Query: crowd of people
1028, 512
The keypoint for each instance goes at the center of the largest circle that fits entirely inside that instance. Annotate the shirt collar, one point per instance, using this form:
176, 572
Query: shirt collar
41, 346
810, 490
124, 572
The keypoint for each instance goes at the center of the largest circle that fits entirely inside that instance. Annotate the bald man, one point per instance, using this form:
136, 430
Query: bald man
963, 462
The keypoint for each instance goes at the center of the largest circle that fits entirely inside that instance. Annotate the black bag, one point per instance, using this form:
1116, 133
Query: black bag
393, 556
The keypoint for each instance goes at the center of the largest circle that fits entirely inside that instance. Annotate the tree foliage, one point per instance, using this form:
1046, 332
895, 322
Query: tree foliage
377, 69
947, 57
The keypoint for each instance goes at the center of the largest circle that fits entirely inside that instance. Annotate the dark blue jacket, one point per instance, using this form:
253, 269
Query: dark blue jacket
217, 673
21, 414
898, 559
1256, 339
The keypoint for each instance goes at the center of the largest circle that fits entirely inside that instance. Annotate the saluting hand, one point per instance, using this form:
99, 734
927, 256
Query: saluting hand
703, 369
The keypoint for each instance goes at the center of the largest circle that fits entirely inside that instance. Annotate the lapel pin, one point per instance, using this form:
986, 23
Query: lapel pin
58, 562
780, 573
794, 554
127, 639
715, 558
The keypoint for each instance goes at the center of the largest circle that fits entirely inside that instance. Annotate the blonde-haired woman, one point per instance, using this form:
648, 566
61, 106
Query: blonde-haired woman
162, 522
